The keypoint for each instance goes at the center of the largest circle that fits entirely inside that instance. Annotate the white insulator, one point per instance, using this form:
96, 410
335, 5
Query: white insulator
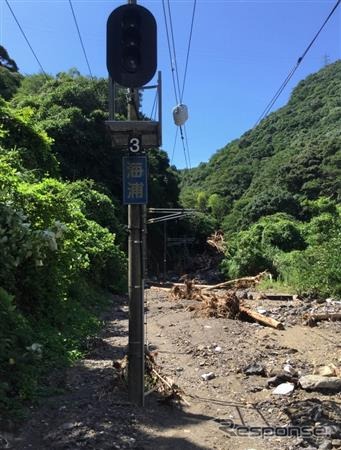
180, 114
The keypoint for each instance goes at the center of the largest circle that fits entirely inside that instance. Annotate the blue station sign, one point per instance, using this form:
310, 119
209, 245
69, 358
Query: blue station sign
135, 184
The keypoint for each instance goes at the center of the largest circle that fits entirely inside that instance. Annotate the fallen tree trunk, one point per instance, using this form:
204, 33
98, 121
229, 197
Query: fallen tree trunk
261, 318
317, 317
238, 282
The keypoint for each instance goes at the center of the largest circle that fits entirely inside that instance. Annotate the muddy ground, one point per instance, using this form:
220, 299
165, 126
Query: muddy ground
94, 412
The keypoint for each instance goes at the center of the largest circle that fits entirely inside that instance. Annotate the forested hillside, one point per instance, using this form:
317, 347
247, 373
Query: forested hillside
62, 225
276, 191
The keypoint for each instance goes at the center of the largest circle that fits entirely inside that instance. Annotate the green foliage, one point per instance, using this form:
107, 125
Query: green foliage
163, 183
316, 270
72, 109
17, 362
97, 206
53, 241
17, 131
9, 77
276, 191
291, 156
217, 206
6, 61
255, 249
201, 201
9, 83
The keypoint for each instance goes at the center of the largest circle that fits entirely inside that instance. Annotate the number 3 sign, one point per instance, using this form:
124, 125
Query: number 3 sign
134, 144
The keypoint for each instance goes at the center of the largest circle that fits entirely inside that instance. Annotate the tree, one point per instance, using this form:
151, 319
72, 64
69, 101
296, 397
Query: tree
9, 77
6, 61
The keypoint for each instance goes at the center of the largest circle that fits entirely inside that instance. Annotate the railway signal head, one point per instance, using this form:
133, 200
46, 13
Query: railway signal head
131, 45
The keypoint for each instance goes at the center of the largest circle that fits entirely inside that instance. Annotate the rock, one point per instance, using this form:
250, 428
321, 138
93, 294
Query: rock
327, 371
336, 443
208, 376
289, 369
281, 378
284, 389
325, 445
218, 349
316, 382
254, 369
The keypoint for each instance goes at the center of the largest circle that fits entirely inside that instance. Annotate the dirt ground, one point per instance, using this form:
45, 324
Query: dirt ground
94, 412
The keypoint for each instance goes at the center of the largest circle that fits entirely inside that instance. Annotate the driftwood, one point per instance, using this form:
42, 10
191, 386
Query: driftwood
240, 282
268, 321
237, 283
172, 390
216, 240
211, 305
188, 291
312, 318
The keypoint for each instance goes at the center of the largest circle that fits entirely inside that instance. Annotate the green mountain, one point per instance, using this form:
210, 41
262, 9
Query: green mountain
276, 191
292, 155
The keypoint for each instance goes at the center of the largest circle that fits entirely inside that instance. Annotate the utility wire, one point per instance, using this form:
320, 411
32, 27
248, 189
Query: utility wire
170, 51
187, 147
188, 51
174, 145
184, 146
174, 51
26, 39
80, 38
175, 74
293, 70
154, 109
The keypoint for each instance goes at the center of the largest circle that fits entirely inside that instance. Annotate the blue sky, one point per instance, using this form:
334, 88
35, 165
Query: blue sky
241, 52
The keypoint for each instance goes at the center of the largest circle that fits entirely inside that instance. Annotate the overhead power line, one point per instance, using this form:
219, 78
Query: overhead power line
188, 51
80, 38
293, 70
26, 39
174, 50
178, 91
187, 146
170, 52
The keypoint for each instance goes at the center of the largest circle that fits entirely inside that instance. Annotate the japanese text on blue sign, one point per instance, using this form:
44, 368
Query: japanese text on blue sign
135, 186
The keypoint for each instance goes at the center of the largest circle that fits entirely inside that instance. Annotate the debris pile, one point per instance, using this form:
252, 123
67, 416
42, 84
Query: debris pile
218, 306
155, 381
211, 304
188, 290
329, 310
216, 240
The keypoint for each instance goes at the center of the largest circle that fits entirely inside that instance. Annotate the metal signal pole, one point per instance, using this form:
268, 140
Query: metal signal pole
135, 288
132, 63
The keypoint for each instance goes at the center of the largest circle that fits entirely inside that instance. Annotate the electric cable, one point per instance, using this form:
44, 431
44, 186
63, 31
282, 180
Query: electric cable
26, 39
173, 43
175, 73
80, 39
170, 51
188, 51
187, 147
154, 108
184, 146
293, 70
174, 145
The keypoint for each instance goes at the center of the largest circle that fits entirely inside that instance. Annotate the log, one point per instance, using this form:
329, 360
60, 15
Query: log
247, 280
316, 317
229, 283
159, 288
268, 321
